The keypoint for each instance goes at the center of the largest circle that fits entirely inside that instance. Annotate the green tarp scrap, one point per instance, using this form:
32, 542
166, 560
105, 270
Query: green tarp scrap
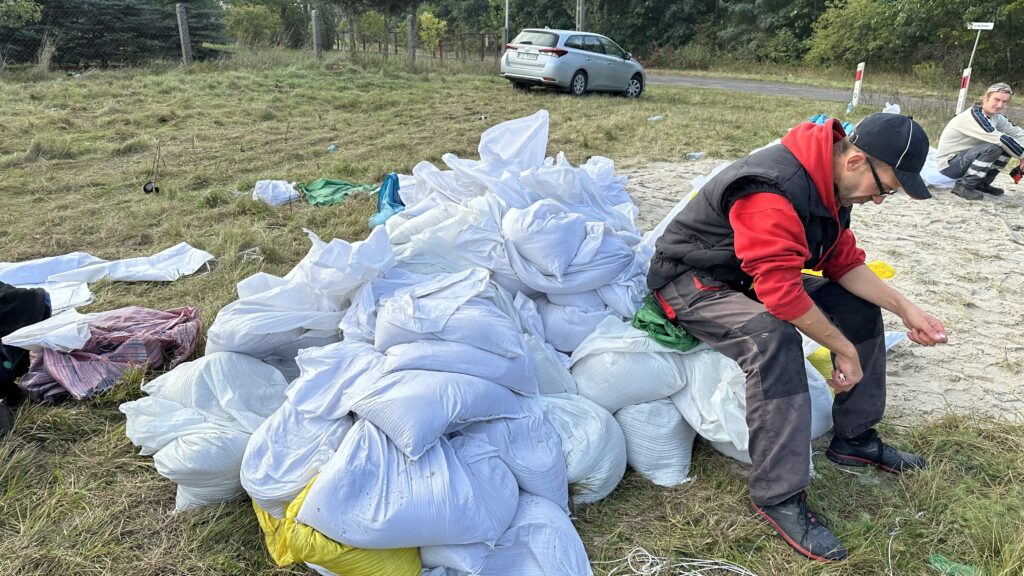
949, 568
651, 319
327, 191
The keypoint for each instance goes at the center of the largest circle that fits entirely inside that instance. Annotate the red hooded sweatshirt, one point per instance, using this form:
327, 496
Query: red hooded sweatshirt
770, 239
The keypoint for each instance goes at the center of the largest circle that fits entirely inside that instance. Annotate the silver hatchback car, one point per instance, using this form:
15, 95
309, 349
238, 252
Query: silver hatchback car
570, 60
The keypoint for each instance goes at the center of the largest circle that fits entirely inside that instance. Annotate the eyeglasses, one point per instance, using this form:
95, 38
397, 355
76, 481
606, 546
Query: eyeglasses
878, 181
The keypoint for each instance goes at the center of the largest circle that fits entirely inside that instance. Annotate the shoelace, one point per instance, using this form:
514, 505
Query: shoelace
810, 515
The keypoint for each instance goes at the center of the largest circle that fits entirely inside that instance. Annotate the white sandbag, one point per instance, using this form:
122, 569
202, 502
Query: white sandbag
457, 558
337, 269
565, 327
275, 192
416, 407
540, 542
602, 258
714, 401
268, 323
428, 306
360, 320
477, 322
530, 447
369, 495
515, 373
659, 443
165, 266
552, 375
593, 445
197, 420
64, 332
335, 376
285, 453
401, 230
545, 235
618, 365
516, 144
930, 173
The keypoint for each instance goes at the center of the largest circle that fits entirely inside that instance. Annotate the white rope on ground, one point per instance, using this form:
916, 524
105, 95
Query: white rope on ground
892, 536
640, 562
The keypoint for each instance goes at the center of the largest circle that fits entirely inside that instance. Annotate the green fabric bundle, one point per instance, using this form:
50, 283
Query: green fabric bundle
327, 192
651, 319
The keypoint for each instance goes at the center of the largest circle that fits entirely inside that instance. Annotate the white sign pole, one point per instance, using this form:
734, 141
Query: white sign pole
856, 87
964, 83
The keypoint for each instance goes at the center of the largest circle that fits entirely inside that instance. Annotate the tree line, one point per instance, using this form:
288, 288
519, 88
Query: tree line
926, 37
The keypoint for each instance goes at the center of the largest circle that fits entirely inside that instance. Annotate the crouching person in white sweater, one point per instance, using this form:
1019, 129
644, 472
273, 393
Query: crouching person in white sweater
977, 144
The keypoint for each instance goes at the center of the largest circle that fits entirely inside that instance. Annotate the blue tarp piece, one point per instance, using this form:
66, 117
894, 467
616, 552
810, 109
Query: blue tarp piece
822, 118
388, 202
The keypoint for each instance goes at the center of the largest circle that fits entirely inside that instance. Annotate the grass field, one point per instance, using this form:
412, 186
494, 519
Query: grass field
74, 153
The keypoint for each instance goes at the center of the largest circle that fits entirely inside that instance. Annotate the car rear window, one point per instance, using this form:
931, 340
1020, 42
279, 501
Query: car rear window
546, 39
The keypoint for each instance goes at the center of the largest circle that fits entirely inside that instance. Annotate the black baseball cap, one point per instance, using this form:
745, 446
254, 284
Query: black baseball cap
901, 143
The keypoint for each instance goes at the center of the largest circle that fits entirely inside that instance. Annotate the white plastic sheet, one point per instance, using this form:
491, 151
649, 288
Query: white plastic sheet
38, 271
593, 445
165, 266
659, 443
197, 419
275, 192
64, 332
370, 495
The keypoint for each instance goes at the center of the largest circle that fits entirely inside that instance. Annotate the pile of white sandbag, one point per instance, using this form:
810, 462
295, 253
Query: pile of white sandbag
430, 409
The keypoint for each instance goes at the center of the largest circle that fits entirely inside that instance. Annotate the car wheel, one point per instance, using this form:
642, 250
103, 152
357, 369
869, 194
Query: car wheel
578, 84
635, 87
521, 86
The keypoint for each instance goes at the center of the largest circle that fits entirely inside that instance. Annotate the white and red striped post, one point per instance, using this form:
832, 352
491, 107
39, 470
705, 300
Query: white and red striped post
965, 82
858, 80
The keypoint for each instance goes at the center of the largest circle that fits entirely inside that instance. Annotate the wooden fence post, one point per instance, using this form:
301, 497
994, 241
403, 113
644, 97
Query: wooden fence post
186, 43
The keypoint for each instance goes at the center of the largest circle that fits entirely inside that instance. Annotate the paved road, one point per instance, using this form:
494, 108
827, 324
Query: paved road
908, 104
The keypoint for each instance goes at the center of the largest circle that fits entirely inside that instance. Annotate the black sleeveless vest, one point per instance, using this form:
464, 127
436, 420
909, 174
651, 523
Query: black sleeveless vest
700, 238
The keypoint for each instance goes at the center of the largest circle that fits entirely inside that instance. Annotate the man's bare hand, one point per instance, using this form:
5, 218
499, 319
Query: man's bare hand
923, 328
846, 372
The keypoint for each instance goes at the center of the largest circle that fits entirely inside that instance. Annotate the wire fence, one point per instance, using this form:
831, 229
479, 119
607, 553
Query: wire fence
124, 33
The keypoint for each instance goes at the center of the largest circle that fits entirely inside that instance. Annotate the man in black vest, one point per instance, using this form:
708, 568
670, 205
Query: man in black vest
728, 270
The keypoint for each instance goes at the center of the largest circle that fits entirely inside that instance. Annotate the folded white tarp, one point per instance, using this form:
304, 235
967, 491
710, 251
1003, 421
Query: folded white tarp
370, 495
593, 445
197, 419
275, 192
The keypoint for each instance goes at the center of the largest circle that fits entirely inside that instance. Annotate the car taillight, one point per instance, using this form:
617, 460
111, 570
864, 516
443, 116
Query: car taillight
510, 47
556, 52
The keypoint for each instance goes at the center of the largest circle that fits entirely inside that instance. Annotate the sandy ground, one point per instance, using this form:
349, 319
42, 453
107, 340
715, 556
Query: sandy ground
961, 261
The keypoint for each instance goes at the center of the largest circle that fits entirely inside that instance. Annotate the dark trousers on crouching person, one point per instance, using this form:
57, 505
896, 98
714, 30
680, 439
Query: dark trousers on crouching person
977, 166
770, 352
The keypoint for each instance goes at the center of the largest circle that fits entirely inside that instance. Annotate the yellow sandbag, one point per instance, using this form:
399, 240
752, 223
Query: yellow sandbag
290, 542
881, 269
821, 359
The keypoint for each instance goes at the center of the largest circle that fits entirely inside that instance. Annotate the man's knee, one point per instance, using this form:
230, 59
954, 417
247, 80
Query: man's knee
989, 152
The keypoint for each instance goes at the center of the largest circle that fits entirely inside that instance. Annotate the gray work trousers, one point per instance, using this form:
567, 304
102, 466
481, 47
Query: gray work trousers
769, 351
977, 165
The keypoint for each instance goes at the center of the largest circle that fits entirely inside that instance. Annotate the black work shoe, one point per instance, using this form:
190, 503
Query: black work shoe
991, 190
872, 452
801, 528
966, 193
6, 419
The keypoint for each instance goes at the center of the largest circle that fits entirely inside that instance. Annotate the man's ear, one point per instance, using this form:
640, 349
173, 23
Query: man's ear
854, 160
